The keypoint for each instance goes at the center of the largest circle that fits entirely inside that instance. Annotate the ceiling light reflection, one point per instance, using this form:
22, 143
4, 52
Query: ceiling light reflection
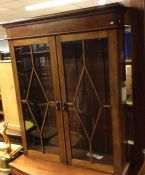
51, 4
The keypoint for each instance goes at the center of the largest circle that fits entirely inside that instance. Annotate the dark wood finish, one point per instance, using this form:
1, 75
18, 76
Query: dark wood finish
115, 100
63, 94
52, 24
109, 8
51, 42
138, 62
14, 68
57, 97
93, 25
26, 165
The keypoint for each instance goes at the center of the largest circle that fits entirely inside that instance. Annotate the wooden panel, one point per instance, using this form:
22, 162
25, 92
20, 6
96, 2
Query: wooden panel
88, 35
81, 20
9, 95
51, 42
138, 53
114, 91
115, 101
97, 167
55, 77
14, 68
15, 172
30, 41
60, 26
22, 166
95, 18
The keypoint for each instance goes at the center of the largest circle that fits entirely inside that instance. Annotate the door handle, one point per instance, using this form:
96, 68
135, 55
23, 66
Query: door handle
58, 105
64, 106
61, 105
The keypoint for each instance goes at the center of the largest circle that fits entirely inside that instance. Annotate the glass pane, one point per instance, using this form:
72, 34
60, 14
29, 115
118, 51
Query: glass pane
31, 129
41, 56
36, 100
102, 149
89, 118
72, 55
79, 139
24, 68
99, 147
50, 133
87, 104
96, 52
36, 86
40, 48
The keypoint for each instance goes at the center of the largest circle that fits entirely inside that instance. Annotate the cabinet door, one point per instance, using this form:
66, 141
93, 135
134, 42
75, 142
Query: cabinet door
88, 78
39, 90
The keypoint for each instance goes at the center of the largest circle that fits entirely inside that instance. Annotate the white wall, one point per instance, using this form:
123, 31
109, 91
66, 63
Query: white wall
4, 46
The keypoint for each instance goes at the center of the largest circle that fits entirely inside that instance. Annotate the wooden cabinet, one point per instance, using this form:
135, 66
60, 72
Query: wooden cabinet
69, 76
8, 102
8, 95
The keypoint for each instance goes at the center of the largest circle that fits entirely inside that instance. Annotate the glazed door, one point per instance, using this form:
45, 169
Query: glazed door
36, 67
88, 78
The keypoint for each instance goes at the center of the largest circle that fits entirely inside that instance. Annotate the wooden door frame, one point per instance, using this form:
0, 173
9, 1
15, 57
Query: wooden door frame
115, 95
51, 42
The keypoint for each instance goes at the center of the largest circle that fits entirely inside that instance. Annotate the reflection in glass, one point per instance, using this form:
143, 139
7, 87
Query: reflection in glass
24, 68
50, 133
79, 139
102, 139
89, 97
30, 126
42, 64
87, 104
72, 54
96, 55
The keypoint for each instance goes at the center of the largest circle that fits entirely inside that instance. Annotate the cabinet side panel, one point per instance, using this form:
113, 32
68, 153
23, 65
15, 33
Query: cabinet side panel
8, 95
